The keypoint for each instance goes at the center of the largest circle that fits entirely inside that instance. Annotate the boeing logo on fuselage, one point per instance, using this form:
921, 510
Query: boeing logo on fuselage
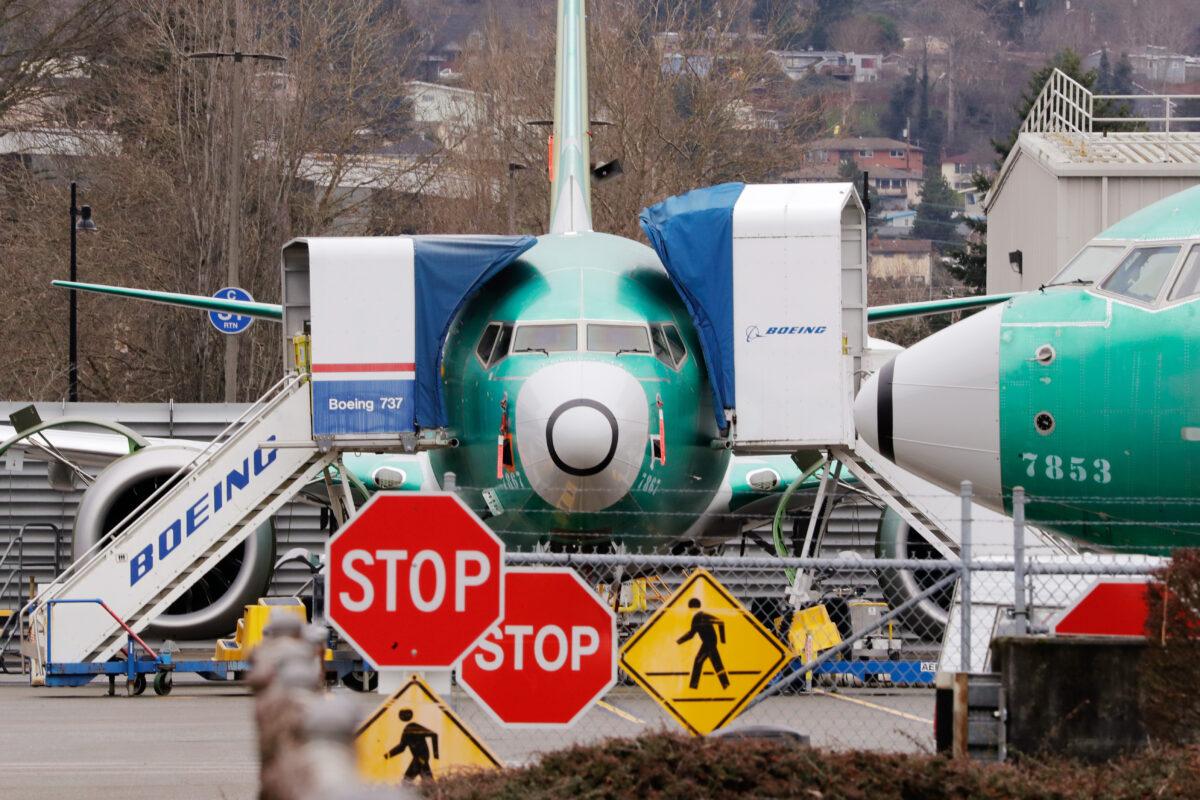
753, 332
208, 502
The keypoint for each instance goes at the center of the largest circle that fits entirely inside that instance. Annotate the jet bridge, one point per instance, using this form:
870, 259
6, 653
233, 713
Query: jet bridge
376, 313
774, 277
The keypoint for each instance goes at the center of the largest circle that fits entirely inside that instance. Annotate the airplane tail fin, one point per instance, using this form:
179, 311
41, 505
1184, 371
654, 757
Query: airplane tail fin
570, 171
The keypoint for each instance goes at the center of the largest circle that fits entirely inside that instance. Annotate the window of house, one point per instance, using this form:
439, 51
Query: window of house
896, 153
866, 153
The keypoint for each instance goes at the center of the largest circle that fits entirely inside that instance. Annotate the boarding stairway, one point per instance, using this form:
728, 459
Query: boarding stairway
181, 532
896, 499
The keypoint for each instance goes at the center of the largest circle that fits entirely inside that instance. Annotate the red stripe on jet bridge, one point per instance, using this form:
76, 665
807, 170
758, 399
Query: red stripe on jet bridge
403, 367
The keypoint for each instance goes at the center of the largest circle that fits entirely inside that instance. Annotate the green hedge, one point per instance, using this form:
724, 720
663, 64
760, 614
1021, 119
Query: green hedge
659, 766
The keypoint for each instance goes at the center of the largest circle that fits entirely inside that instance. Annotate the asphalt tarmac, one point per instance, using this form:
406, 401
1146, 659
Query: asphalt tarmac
199, 742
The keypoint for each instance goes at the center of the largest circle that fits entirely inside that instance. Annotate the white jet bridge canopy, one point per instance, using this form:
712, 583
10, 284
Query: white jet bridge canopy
774, 277
378, 310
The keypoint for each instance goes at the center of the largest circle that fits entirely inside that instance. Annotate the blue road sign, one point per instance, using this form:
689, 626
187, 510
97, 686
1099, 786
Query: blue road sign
231, 323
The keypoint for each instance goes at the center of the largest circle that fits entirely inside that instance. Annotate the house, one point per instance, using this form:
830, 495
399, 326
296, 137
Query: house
900, 220
901, 260
896, 189
1154, 65
959, 171
1067, 179
850, 67
868, 153
444, 111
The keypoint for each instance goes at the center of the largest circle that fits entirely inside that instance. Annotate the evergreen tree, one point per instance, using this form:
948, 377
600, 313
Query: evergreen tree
936, 213
970, 261
1104, 76
849, 171
826, 15
1122, 79
899, 110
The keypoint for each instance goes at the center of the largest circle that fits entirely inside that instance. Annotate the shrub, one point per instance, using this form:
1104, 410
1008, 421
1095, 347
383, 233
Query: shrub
660, 766
1169, 673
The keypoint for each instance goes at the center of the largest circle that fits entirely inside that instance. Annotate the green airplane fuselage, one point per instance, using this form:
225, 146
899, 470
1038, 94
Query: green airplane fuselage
580, 278
1121, 467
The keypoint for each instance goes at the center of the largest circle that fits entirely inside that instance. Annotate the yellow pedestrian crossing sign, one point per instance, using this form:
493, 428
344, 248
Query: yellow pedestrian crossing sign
414, 735
702, 655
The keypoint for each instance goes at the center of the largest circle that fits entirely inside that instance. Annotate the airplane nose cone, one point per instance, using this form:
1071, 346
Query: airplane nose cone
582, 429
935, 409
582, 437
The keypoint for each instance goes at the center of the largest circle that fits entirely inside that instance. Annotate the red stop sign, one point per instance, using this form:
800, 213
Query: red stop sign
414, 580
552, 656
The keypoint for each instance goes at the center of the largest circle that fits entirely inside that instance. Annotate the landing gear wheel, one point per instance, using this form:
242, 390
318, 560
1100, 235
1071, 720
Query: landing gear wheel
163, 684
361, 680
136, 686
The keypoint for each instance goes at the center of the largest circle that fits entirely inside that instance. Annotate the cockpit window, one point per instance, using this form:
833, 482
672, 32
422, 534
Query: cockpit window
1188, 283
487, 342
678, 349
493, 344
1142, 274
1090, 265
668, 346
545, 338
617, 339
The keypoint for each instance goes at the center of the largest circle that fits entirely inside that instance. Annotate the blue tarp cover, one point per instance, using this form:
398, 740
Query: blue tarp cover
449, 270
693, 235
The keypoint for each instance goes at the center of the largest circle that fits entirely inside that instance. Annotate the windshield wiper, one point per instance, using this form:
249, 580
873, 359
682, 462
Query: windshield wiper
1074, 282
631, 350
541, 350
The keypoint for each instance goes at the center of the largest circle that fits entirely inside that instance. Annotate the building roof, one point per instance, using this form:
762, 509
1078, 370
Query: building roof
1060, 134
1143, 154
859, 143
887, 172
918, 246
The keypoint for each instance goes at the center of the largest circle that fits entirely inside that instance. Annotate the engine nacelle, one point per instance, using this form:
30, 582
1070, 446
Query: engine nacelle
897, 539
212, 606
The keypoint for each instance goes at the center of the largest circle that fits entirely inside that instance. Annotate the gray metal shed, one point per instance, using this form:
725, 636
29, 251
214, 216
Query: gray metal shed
1065, 181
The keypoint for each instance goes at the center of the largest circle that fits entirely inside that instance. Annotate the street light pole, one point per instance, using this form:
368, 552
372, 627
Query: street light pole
233, 255
72, 342
233, 238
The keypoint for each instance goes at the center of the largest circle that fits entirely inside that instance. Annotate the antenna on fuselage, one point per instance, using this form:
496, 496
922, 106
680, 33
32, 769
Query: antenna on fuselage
570, 171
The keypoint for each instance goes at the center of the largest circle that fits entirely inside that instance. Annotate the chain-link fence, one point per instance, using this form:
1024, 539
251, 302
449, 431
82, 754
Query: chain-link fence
858, 641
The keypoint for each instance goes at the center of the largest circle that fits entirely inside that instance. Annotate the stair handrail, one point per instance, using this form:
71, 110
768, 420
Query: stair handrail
1063, 106
178, 479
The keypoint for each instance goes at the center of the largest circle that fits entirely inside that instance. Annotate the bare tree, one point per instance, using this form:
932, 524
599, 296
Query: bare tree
325, 138
684, 96
43, 42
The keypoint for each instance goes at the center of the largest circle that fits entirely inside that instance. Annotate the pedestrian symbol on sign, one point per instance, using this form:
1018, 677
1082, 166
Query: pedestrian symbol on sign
703, 656
708, 628
414, 740
413, 735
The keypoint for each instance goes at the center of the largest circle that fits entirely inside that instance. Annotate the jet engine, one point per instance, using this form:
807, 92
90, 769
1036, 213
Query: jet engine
212, 606
897, 539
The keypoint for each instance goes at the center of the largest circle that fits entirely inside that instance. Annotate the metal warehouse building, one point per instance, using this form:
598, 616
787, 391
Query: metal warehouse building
1066, 180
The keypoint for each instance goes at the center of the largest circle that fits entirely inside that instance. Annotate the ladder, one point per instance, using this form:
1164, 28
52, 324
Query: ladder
181, 532
896, 499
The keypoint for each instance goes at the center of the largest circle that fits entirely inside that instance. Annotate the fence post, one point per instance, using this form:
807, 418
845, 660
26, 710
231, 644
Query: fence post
1020, 613
964, 581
